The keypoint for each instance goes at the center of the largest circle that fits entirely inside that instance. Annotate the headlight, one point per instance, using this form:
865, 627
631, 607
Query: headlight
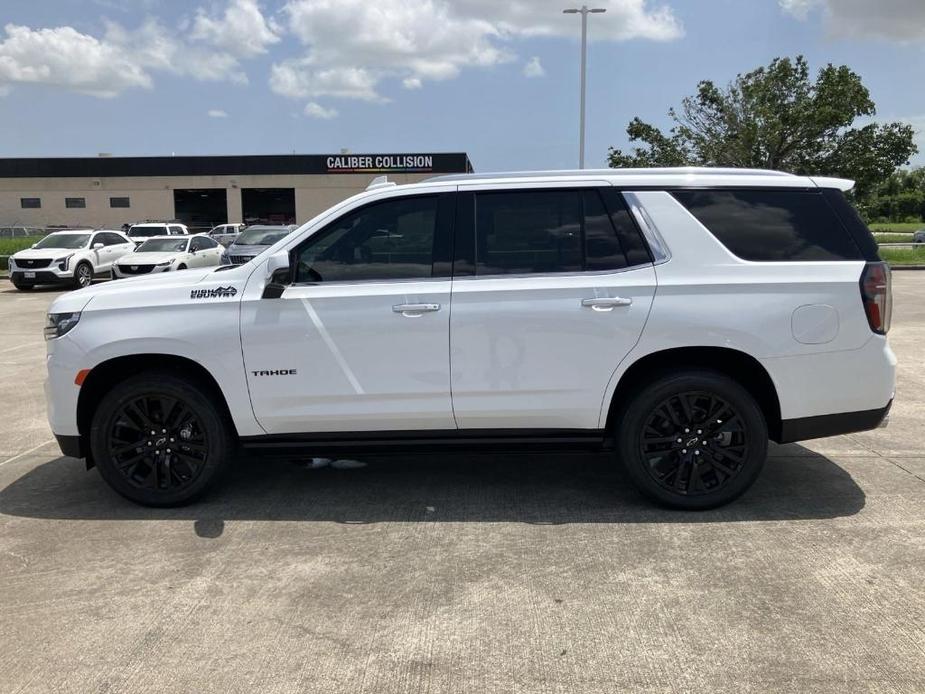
165, 263
57, 324
62, 262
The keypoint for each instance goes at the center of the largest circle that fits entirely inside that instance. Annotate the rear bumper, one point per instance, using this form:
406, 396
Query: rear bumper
832, 424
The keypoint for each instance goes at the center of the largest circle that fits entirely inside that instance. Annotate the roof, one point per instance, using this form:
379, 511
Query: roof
689, 176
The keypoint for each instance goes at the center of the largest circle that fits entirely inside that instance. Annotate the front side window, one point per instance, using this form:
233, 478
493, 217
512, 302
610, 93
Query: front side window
176, 230
545, 231
388, 240
772, 225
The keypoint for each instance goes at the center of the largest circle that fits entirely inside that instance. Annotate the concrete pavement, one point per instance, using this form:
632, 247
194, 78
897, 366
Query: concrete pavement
488, 573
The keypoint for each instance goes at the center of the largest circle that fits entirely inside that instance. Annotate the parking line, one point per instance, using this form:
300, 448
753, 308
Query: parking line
27, 344
25, 453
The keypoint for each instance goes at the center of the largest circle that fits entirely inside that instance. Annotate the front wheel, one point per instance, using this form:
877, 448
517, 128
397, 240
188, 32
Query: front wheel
692, 440
159, 440
83, 275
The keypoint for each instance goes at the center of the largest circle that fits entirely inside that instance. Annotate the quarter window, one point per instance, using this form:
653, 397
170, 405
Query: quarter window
388, 240
772, 225
75, 203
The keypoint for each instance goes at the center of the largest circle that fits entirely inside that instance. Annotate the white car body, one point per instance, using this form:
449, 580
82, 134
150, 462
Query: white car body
541, 356
142, 262
53, 265
225, 234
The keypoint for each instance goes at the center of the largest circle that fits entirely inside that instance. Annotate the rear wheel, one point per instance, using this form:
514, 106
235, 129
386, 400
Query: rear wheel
83, 275
692, 440
159, 440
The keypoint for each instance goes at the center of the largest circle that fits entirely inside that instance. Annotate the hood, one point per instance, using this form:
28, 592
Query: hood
43, 253
140, 290
237, 249
151, 258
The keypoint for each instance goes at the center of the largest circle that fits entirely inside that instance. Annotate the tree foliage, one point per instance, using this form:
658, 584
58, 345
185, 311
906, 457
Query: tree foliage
777, 117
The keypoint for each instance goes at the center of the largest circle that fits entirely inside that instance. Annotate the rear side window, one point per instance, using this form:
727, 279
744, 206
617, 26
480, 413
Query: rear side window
772, 225
543, 231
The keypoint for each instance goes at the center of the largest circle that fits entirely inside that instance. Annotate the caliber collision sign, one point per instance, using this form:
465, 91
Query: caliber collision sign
380, 163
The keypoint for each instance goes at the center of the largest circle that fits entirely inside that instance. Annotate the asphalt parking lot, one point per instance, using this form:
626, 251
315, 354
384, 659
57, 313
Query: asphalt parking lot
488, 573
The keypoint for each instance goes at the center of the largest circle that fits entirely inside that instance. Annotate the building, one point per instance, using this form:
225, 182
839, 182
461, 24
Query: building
200, 191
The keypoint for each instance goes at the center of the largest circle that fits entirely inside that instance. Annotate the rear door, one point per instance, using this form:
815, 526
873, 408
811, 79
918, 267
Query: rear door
551, 290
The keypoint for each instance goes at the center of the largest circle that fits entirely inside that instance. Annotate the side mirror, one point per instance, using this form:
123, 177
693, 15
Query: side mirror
97, 246
277, 275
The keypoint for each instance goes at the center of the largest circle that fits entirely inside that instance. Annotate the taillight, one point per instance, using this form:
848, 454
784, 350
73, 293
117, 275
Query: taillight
877, 296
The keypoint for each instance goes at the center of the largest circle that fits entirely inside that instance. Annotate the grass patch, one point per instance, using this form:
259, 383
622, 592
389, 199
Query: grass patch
884, 237
10, 246
904, 256
897, 226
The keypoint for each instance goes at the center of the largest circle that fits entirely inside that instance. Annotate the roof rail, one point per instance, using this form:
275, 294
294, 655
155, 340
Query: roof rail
685, 170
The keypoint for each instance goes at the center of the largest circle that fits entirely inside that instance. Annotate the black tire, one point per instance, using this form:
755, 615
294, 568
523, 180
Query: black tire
83, 275
181, 267
690, 474
183, 416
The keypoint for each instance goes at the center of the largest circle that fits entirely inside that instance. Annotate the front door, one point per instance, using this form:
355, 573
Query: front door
551, 291
360, 340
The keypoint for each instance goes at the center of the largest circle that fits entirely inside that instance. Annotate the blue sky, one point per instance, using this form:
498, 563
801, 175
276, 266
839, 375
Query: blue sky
498, 80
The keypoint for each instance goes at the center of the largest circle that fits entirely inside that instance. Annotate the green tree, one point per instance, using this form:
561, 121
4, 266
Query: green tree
777, 117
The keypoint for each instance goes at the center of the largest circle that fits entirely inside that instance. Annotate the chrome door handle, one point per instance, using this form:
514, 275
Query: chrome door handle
415, 310
605, 303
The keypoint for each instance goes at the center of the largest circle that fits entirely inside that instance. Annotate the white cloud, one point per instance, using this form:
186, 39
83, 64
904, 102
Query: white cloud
902, 20
366, 42
241, 30
210, 50
63, 57
314, 110
534, 68
217, 113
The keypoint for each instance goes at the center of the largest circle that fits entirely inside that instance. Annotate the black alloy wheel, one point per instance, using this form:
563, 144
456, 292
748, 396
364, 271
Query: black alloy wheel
693, 440
159, 440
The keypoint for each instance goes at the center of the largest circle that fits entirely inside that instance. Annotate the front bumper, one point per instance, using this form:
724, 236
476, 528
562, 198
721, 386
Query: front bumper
119, 274
40, 277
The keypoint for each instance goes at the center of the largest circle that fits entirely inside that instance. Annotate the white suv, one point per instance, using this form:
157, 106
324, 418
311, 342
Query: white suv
677, 317
71, 257
139, 233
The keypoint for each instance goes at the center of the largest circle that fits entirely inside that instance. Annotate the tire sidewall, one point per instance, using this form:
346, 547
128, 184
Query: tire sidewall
632, 418
217, 431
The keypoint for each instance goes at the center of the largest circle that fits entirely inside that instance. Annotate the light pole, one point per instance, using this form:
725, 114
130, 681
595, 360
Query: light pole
584, 12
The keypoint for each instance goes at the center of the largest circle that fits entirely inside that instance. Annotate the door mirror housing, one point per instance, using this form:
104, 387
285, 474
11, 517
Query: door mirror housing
278, 275
97, 246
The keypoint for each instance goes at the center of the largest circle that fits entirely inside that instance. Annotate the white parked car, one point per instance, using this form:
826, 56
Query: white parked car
166, 253
679, 318
71, 257
225, 234
141, 232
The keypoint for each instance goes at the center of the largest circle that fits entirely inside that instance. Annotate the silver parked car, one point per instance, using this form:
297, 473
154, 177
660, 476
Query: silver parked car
919, 236
253, 241
225, 234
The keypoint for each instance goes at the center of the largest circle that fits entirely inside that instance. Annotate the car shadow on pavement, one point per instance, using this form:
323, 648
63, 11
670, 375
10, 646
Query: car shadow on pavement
468, 488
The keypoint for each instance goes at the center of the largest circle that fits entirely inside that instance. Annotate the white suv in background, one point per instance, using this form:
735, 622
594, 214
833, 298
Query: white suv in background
71, 257
679, 318
166, 253
140, 232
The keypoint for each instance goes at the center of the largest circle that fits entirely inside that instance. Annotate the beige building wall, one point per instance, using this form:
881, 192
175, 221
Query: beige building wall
152, 197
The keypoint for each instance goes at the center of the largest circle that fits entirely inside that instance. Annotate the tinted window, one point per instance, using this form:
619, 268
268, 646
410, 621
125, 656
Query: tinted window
772, 224
542, 231
176, 230
120, 202
389, 240
206, 242
30, 203
75, 202
110, 239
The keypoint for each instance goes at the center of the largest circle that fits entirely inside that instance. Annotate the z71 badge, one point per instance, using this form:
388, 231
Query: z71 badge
218, 292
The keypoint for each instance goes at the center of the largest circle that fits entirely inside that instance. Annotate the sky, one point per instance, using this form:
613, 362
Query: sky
497, 79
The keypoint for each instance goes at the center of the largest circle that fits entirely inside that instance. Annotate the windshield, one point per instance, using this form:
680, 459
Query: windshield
64, 241
147, 231
162, 246
257, 236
